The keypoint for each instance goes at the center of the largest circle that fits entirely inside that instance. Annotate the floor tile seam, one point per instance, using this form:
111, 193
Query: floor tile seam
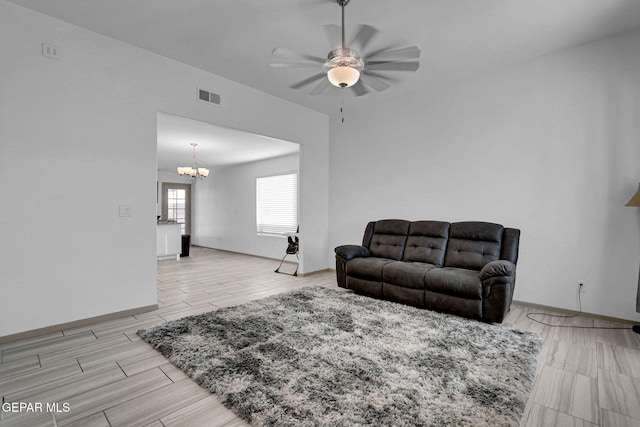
35, 369
99, 325
17, 374
103, 407
125, 353
178, 410
123, 371
27, 348
595, 403
572, 391
43, 384
621, 414
88, 416
34, 340
113, 334
570, 415
632, 379
617, 364
619, 397
635, 350
46, 396
199, 304
82, 351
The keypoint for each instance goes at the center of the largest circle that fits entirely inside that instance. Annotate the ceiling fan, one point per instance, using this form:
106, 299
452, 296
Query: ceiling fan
352, 66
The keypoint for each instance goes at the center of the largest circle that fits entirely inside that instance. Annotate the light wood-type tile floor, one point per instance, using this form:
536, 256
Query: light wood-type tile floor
104, 375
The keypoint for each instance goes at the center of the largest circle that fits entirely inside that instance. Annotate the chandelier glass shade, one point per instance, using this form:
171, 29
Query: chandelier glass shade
192, 172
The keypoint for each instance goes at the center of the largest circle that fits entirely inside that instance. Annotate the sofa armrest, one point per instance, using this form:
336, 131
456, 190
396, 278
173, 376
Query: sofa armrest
497, 298
345, 253
497, 268
498, 280
348, 252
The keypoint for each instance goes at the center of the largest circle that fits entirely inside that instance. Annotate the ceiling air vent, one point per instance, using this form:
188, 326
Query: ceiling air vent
209, 97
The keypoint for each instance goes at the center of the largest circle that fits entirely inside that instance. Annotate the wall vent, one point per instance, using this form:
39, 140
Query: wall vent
208, 97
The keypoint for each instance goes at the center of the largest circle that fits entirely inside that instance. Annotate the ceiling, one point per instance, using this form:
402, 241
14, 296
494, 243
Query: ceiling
234, 39
458, 38
217, 146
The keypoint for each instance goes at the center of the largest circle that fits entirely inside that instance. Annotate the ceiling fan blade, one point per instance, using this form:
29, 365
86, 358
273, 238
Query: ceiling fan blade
389, 79
294, 65
307, 81
320, 88
374, 81
286, 53
402, 54
359, 89
363, 37
392, 66
334, 35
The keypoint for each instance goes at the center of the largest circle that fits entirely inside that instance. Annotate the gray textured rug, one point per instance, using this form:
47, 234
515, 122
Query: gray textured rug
320, 357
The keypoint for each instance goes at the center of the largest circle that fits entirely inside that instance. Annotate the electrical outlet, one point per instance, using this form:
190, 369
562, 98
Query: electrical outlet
582, 287
50, 51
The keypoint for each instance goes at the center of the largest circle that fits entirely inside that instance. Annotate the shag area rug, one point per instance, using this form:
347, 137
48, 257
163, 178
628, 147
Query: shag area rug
318, 357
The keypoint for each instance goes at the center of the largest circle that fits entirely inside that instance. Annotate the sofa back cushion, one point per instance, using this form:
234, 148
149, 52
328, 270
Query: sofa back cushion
510, 243
427, 242
389, 238
473, 244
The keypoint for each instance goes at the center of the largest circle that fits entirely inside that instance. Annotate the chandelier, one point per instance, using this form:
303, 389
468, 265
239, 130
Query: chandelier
192, 172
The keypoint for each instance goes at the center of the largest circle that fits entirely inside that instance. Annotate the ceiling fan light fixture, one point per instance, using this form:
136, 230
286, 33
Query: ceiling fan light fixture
345, 67
343, 76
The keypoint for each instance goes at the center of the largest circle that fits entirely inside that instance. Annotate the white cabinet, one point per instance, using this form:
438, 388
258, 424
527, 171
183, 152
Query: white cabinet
168, 241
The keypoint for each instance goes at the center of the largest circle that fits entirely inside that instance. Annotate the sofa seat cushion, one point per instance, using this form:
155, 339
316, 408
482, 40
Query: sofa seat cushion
454, 281
369, 268
406, 274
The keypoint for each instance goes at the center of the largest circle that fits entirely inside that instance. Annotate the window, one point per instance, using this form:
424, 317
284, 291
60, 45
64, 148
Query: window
277, 204
176, 205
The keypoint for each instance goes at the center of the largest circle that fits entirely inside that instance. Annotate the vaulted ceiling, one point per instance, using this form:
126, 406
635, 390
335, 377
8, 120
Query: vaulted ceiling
458, 38
235, 39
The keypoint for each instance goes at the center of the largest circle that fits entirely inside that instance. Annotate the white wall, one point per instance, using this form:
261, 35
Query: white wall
87, 124
551, 146
224, 212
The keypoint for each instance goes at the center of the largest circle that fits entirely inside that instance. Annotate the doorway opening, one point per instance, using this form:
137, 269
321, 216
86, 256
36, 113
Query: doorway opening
220, 211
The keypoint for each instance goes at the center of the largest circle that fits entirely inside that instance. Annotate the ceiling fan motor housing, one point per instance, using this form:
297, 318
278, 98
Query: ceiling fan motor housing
344, 57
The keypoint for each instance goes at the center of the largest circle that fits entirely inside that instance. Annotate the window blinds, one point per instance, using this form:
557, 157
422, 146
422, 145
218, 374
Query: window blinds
277, 204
